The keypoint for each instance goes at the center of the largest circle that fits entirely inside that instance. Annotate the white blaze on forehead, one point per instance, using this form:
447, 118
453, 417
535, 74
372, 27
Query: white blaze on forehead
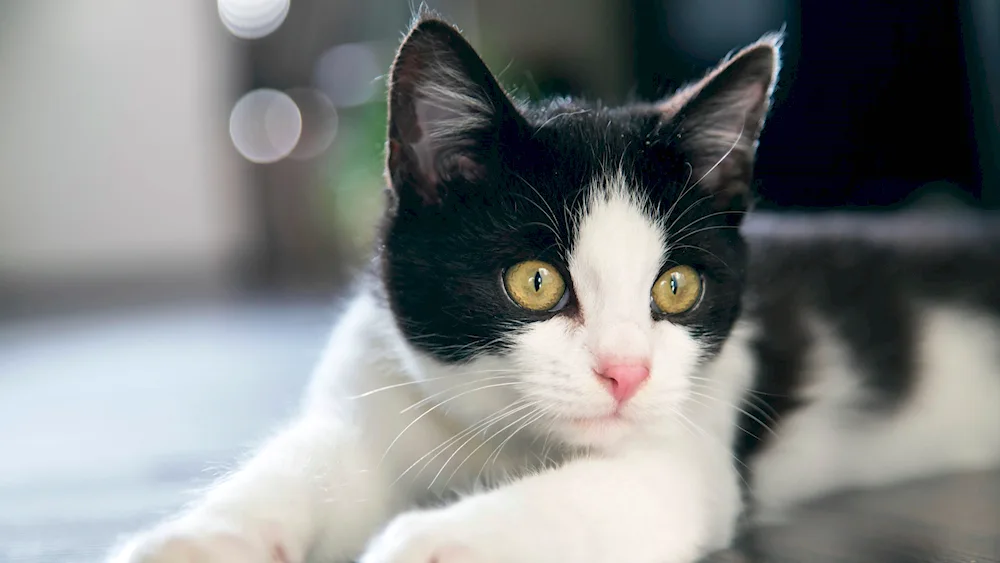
617, 255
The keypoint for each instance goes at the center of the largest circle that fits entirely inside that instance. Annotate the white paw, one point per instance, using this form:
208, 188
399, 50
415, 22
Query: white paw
431, 537
201, 541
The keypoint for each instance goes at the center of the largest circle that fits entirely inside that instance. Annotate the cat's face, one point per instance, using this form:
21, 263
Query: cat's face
586, 260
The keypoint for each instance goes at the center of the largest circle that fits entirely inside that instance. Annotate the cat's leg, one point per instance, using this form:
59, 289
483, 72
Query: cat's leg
641, 506
315, 479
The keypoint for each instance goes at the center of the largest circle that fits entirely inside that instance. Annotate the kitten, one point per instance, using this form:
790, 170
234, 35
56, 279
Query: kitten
567, 312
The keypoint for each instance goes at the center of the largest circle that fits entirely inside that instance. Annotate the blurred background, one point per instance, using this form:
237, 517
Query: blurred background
186, 188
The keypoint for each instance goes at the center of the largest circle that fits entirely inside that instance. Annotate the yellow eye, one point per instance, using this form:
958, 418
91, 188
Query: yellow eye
677, 290
534, 285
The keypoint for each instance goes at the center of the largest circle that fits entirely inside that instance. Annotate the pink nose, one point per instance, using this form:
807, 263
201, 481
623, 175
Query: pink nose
623, 380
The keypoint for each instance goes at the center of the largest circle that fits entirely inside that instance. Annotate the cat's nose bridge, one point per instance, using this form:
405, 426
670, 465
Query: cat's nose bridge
625, 341
613, 295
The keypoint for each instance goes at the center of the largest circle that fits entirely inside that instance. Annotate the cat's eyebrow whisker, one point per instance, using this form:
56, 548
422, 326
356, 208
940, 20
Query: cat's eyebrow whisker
684, 189
691, 206
549, 227
567, 209
692, 233
550, 214
688, 188
693, 247
705, 218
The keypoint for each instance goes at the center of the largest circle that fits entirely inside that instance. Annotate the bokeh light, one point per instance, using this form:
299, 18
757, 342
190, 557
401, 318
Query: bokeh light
265, 125
319, 123
253, 19
348, 74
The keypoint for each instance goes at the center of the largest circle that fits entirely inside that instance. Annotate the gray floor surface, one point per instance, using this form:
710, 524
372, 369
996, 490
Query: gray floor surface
108, 422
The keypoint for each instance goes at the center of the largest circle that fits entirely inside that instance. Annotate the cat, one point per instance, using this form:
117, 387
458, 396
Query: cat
572, 348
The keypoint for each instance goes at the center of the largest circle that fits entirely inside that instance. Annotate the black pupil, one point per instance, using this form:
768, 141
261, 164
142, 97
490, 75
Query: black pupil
673, 283
537, 280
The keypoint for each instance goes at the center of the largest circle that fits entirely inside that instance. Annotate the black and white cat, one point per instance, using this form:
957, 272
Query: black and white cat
573, 352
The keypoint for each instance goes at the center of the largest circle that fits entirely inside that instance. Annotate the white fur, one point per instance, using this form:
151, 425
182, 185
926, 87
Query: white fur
386, 428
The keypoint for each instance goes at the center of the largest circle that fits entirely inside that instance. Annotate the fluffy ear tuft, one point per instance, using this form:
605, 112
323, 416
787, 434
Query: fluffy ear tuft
720, 119
446, 113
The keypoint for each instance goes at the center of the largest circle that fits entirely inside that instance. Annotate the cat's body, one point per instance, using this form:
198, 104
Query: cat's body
650, 368
879, 350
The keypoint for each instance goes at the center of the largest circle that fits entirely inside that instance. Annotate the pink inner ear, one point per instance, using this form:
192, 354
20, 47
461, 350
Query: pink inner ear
754, 103
423, 149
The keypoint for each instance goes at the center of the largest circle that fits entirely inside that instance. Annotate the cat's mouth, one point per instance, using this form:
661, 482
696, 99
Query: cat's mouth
600, 429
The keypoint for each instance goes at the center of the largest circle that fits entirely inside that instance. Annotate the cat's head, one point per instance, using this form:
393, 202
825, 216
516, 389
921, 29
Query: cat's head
590, 256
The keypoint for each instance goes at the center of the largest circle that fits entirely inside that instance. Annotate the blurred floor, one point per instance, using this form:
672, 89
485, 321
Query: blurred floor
107, 421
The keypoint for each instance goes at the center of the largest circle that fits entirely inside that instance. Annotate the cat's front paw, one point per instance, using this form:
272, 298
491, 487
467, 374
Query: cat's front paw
201, 540
436, 536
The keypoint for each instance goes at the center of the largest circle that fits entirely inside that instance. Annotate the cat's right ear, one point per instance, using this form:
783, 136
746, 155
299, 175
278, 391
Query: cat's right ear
447, 115
719, 120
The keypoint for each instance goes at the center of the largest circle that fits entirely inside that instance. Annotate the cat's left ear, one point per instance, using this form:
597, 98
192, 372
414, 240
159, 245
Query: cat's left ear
718, 120
447, 115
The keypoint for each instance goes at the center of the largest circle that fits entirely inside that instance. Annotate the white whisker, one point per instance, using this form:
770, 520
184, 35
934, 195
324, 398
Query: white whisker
474, 428
484, 442
735, 407
435, 407
482, 428
430, 398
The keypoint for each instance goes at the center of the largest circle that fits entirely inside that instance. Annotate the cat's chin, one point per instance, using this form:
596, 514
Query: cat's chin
593, 431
